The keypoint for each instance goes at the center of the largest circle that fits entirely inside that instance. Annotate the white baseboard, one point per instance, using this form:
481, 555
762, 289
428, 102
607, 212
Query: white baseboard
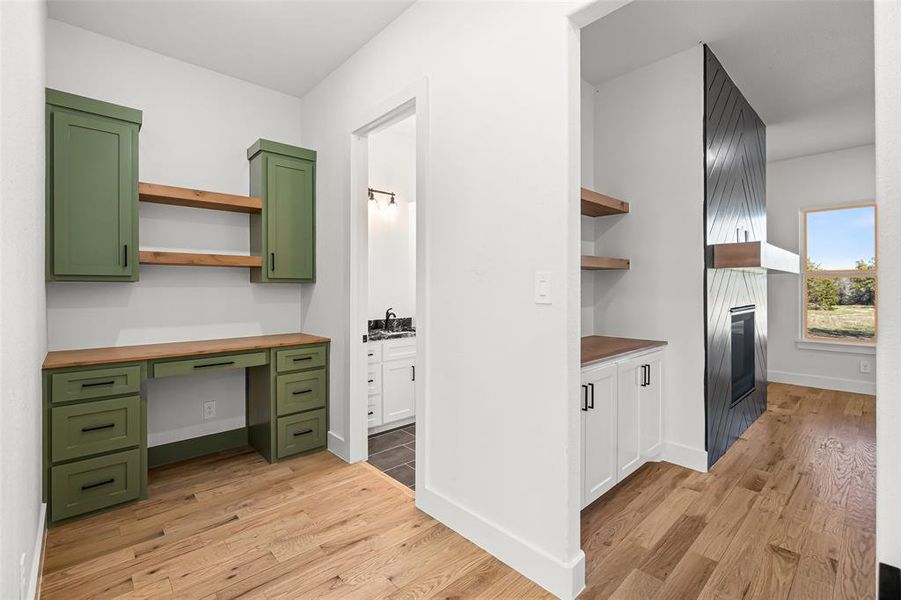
337, 446
685, 456
37, 559
827, 383
565, 580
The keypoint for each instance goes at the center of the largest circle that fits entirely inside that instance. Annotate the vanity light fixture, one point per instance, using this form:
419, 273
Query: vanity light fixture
391, 203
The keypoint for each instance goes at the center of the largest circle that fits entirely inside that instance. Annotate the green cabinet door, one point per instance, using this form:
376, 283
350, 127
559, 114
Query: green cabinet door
284, 233
92, 188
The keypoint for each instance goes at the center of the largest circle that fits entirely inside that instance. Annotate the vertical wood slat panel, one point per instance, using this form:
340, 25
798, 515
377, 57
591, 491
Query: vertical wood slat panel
735, 197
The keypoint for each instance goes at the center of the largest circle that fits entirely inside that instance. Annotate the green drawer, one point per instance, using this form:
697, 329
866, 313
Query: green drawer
298, 433
307, 357
95, 483
300, 391
93, 427
96, 383
211, 363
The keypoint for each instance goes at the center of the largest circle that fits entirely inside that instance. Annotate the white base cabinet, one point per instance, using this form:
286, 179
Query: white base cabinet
391, 381
622, 420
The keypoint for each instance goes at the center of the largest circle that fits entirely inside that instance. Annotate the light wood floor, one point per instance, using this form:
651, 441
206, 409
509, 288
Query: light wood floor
788, 512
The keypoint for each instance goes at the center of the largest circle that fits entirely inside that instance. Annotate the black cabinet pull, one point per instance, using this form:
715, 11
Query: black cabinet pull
648, 380
218, 364
97, 427
299, 392
125, 254
585, 398
304, 432
98, 384
272, 261
299, 358
591, 386
644, 375
371, 413
89, 486
371, 380
414, 372
370, 354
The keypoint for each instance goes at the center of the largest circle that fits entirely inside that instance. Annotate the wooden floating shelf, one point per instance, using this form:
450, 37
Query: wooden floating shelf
754, 255
603, 263
599, 205
176, 196
153, 257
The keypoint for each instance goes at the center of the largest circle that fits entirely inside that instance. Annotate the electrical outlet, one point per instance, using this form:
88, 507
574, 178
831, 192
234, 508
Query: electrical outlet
209, 409
866, 366
542, 287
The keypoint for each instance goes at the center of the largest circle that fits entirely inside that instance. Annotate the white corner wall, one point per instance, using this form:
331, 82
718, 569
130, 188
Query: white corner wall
649, 151
501, 427
816, 181
392, 232
197, 127
888, 199
587, 93
23, 330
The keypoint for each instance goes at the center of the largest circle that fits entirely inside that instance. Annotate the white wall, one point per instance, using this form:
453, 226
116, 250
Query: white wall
501, 373
816, 181
23, 330
649, 151
888, 199
587, 223
197, 127
392, 232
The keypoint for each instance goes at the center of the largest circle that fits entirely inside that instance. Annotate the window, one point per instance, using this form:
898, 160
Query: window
839, 276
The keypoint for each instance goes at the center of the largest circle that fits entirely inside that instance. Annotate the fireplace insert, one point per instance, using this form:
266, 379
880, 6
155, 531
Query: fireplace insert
742, 352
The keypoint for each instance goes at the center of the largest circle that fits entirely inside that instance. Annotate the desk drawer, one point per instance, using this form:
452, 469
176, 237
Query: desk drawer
300, 391
295, 359
94, 483
298, 433
96, 383
193, 366
94, 427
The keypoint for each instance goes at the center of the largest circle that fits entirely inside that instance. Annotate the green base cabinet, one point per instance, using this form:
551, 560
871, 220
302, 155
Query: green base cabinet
92, 189
284, 233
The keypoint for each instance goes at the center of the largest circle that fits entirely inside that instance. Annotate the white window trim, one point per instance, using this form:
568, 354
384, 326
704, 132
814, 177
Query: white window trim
830, 346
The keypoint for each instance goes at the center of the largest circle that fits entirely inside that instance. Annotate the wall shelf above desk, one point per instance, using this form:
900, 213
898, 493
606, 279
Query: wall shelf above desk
153, 257
595, 204
177, 196
604, 263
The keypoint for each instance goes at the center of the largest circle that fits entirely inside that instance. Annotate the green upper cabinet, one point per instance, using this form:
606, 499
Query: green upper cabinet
92, 189
284, 233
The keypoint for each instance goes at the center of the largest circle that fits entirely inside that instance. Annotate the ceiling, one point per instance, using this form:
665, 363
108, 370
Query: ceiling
288, 46
806, 66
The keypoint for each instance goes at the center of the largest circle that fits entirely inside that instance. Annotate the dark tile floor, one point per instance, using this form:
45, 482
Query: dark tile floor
394, 453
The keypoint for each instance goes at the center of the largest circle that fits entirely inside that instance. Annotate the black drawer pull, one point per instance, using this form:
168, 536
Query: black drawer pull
370, 354
218, 364
371, 413
304, 432
97, 427
302, 358
299, 392
98, 384
89, 486
584, 398
371, 381
591, 403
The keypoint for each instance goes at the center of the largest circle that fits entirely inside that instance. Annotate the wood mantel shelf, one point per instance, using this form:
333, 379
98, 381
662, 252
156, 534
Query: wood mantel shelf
154, 257
604, 263
597, 348
595, 204
754, 255
94, 356
177, 196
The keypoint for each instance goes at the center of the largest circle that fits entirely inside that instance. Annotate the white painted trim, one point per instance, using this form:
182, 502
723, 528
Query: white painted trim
338, 446
392, 425
37, 558
563, 579
826, 346
827, 383
685, 456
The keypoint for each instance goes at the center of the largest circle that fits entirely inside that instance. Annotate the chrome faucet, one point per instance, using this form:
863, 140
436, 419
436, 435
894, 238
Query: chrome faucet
388, 316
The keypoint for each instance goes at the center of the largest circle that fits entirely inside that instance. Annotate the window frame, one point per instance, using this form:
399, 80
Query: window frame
805, 274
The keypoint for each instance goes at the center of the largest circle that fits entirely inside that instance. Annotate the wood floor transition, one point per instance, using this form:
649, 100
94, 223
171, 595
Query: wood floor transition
788, 512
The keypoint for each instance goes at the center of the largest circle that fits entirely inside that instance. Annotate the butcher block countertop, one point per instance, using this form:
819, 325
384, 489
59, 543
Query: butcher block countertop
598, 348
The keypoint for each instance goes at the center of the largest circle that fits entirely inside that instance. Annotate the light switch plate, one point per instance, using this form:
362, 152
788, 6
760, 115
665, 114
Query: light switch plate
866, 366
543, 287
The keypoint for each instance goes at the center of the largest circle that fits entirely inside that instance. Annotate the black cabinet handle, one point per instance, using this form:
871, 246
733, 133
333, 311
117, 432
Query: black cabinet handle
370, 354
585, 398
125, 254
644, 375
300, 358
97, 427
591, 386
414, 372
371, 413
272, 261
371, 380
89, 486
299, 392
98, 384
218, 364
648, 380
304, 432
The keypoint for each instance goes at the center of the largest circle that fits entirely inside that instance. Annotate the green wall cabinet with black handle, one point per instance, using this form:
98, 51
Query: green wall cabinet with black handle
92, 189
284, 233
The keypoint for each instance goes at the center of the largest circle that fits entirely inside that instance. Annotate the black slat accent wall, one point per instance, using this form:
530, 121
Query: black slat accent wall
735, 198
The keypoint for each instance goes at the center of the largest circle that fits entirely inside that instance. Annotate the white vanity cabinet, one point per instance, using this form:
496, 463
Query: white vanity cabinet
622, 419
391, 380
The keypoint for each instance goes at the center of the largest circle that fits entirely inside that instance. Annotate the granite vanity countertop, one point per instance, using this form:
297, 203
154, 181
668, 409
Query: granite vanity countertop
599, 348
377, 335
